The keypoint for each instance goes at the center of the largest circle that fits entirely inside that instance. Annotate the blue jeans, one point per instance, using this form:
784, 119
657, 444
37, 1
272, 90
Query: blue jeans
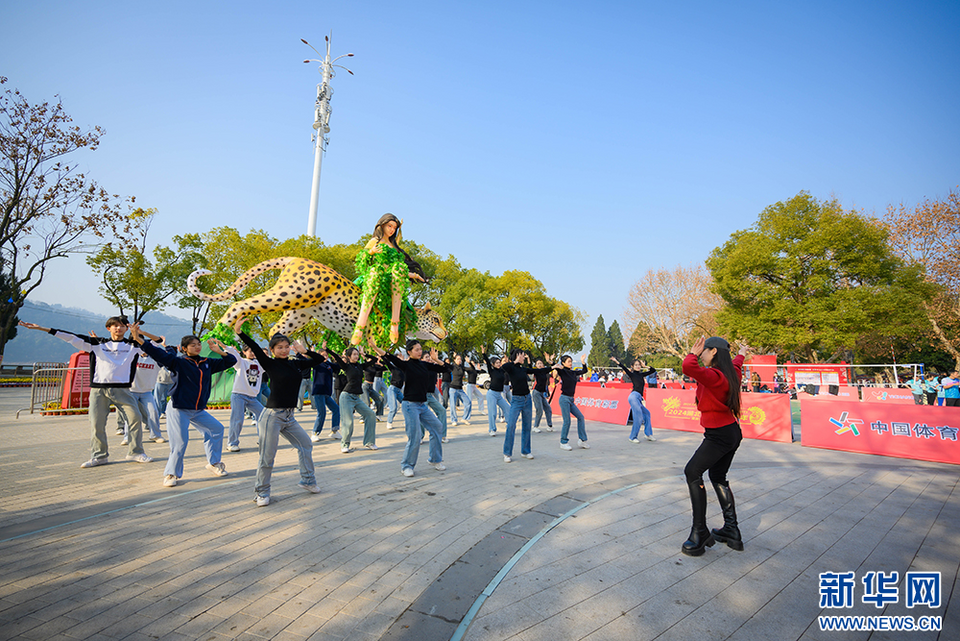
541, 401
433, 402
567, 406
348, 403
178, 425
147, 405
161, 393
520, 406
467, 404
239, 403
320, 403
640, 415
495, 401
276, 422
368, 393
474, 392
394, 399
416, 417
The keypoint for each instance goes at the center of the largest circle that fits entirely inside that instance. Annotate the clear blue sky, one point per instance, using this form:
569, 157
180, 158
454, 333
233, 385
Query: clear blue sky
583, 142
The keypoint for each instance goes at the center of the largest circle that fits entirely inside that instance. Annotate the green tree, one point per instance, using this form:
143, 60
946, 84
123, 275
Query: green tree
599, 355
615, 338
48, 210
811, 278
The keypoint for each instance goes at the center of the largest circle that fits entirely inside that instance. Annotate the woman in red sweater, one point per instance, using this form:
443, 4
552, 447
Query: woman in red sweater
718, 399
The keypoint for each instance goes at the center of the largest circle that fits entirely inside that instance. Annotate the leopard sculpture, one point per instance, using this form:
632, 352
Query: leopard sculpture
305, 290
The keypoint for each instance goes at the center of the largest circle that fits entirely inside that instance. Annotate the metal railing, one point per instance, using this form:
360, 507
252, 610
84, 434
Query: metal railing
46, 386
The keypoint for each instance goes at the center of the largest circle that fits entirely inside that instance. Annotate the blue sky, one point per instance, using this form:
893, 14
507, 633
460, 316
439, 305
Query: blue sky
584, 143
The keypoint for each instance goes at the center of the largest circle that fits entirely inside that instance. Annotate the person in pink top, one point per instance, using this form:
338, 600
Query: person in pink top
718, 399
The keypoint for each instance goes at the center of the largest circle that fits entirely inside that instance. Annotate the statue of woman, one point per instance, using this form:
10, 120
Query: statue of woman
384, 272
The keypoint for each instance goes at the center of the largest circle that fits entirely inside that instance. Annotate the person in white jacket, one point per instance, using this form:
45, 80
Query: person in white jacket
246, 388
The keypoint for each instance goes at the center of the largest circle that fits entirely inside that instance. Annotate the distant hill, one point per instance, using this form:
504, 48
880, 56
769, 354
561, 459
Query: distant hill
35, 347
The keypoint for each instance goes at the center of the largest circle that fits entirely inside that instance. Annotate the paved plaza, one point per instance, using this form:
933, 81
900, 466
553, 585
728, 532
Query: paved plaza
571, 545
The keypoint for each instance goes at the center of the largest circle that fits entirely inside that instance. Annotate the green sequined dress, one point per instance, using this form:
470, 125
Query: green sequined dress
383, 274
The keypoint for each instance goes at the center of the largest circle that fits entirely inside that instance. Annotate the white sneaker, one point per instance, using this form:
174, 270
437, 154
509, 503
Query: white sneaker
159, 439
125, 441
169, 481
565, 446
445, 440
530, 455
549, 428
335, 435
233, 448
507, 459
650, 438
263, 501
315, 437
371, 446
313, 489
389, 426
139, 458
583, 444
407, 471
439, 466
537, 430
218, 469
94, 462
634, 440
345, 449
493, 433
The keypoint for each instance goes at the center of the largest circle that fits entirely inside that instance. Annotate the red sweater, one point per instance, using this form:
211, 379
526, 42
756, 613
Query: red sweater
712, 391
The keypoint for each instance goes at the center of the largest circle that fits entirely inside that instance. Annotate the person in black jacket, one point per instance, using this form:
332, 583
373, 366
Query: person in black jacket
568, 387
278, 416
350, 400
637, 374
189, 401
520, 404
495, 393
421, 379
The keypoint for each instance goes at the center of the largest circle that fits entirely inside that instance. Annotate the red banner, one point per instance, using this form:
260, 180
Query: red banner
76, 384
763, 416
605, 404
888, 395
918, 432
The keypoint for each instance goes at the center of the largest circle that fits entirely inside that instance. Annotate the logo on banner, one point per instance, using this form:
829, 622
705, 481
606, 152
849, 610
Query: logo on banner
753, 415
847, 424
675, 407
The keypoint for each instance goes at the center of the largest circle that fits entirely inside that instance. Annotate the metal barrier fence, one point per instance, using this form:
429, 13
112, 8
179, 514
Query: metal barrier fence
46, 387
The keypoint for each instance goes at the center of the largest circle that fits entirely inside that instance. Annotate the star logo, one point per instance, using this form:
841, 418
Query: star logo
847, 425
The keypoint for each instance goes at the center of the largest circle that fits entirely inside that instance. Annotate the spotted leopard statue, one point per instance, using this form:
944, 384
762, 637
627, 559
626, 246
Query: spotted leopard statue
306, 290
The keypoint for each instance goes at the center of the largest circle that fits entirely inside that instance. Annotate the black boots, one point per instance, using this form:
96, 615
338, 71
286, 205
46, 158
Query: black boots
729, 533
700, 536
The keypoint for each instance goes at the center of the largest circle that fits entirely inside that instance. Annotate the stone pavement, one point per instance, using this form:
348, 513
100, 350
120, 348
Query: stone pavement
571, 545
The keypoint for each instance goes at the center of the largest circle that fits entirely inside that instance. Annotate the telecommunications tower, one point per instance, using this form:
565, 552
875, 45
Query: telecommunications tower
321, 124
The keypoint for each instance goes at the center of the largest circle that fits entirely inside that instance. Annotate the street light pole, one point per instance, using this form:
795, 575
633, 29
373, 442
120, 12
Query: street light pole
321, 125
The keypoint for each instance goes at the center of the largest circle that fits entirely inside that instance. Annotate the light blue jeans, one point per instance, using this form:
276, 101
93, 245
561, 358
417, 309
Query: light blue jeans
495, 401
321, 402
520, 406
348, 403
640, 415
541, 401
394, 399
456, 394
238, 404
474, 392
147, 405
276, 422
161, 393
178, 425
416, 417
368, 393
433, 402
567, 407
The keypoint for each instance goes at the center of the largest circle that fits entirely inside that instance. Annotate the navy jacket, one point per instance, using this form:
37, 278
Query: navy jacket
192, 388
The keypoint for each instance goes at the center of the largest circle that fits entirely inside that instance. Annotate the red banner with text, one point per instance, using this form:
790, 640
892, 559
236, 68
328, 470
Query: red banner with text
763, 416
606, 404
918, 432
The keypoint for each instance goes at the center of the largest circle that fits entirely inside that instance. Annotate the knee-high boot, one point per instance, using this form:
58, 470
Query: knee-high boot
700, 536
729, 533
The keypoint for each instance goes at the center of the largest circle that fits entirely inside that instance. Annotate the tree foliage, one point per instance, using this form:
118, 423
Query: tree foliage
615, 340
670, 308
49, 209
929, 235
599, 355
811, 278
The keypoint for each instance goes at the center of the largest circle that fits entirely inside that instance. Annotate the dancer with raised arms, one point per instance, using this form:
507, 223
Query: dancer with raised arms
637, 375
495, 393
350, 400
520, 404
568, 387
718, 399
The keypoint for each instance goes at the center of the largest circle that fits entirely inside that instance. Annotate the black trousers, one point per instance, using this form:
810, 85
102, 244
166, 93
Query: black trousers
714, 454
